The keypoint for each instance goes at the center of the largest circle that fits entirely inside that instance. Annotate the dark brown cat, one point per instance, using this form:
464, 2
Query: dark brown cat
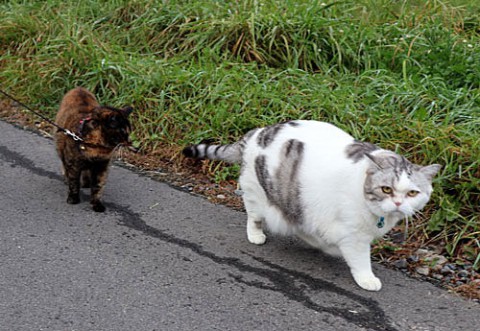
102, 129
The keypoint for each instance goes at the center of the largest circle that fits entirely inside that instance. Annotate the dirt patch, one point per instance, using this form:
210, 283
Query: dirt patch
167, 165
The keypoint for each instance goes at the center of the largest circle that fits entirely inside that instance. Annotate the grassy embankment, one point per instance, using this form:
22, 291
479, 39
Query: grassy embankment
402, 74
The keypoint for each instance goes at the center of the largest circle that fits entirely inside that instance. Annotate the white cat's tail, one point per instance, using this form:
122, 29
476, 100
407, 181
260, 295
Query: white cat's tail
231, 153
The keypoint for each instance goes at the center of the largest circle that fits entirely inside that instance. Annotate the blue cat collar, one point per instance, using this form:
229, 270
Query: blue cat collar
381, 222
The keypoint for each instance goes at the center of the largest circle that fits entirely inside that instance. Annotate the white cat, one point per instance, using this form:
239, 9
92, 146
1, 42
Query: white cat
313, 180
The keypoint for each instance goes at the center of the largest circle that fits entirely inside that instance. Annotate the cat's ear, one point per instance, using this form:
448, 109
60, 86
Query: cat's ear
430, 171
126, 110
377, 161
86, 125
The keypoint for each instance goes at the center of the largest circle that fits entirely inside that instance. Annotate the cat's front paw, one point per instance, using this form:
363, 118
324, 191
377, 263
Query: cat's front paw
98, 207
73, 199
257, 239
368, 282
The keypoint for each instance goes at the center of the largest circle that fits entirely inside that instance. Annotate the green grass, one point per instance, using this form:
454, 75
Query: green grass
402, 74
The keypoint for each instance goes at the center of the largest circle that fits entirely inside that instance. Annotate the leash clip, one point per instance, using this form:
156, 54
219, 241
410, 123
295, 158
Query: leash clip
73, 135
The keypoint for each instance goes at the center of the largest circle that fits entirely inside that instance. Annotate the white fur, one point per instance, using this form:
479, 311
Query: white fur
337, 218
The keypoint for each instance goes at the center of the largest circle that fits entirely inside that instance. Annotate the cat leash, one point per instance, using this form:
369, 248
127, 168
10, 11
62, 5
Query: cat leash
65, 131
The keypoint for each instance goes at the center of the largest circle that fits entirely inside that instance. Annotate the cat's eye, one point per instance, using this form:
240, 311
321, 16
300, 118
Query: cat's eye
387, 190
412, 193
113, 122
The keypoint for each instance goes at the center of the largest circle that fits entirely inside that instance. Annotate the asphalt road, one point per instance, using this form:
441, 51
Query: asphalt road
163, 259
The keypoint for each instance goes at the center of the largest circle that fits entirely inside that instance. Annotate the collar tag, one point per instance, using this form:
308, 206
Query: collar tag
381, 222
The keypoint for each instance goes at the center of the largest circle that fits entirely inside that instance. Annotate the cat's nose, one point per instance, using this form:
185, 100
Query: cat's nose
397, 203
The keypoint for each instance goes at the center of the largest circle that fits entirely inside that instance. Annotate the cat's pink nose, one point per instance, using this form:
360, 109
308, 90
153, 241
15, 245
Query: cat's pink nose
397, 203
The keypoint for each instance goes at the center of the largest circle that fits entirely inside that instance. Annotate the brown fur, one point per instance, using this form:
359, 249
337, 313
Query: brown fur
102, 129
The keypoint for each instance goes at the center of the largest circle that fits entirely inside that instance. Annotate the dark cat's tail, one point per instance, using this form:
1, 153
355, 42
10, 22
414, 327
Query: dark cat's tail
231, 153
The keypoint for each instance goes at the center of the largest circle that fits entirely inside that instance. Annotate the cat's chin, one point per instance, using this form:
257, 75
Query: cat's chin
398, 214
378, 211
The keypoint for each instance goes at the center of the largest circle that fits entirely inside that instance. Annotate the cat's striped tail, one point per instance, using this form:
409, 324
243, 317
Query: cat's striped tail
231, 153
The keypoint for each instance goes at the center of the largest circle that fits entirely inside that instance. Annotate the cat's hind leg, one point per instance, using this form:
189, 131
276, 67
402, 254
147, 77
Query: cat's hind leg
72, 176
255, 233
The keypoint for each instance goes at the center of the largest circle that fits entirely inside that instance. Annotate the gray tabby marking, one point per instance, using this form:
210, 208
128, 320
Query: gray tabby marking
232, 153
369, 191
393, 161
283, 191
358, 149
268, 134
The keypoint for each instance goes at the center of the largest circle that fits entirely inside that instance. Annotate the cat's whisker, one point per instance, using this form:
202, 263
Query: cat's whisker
132, 149
419, 213
405, 235
119, 152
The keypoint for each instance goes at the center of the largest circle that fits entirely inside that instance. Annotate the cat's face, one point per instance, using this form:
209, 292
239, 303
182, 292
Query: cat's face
396, 187
107, 126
